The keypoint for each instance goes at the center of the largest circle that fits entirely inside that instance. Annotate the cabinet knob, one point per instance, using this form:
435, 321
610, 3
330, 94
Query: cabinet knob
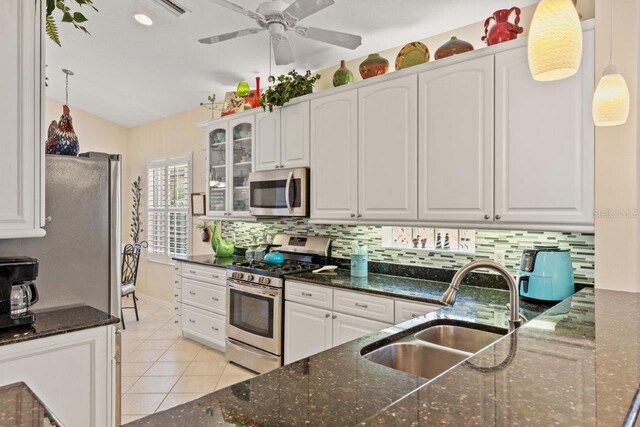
334, 316
327, 315
359, 215
498, 217
486, 217
353, 215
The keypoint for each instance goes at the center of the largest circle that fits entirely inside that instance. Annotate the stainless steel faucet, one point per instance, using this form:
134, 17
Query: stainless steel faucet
449, 296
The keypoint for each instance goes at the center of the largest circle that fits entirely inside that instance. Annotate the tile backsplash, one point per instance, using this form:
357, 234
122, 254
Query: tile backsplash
487, 243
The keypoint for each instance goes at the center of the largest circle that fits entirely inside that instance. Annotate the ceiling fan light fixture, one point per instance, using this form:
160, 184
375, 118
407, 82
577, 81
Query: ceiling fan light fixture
143, 19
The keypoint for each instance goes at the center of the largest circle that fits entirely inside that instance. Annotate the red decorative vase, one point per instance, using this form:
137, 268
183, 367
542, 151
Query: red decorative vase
502, 30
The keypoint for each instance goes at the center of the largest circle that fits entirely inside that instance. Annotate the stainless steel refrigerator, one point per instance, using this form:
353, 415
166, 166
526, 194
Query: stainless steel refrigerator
80, 254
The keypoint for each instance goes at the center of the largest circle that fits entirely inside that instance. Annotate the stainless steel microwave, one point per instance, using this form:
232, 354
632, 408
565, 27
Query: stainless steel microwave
282, 192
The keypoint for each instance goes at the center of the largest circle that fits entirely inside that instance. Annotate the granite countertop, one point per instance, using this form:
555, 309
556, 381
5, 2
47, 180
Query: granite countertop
209, 260
57, 321
335, 387
20, 407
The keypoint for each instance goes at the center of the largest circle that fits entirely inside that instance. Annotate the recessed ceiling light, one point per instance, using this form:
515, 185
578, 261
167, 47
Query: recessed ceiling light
143, 19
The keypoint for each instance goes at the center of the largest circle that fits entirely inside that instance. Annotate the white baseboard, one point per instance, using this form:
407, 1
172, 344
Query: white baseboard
154, 300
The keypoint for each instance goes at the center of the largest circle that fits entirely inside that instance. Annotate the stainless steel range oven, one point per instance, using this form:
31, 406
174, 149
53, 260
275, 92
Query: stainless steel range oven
255, 300
283, 192
254, 321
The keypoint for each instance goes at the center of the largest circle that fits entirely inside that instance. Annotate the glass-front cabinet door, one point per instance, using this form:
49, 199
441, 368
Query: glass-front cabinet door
241, 163
217, 177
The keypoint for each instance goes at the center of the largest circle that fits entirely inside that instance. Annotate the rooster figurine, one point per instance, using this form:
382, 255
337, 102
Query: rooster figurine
62, 138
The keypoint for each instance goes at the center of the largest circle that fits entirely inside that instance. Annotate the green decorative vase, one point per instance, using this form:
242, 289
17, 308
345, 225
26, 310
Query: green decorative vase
343, 76
223, 248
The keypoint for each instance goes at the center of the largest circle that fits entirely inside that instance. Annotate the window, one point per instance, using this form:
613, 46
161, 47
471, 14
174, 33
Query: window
168, 220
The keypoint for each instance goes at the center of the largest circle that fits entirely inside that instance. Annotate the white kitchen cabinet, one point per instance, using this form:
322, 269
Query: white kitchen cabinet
348, 328
229, 161
334, 156
544, 142
201, 303
308, 331
388, 150
282, 138
294, 133
22, 88
456, 142
73, 374
268, 140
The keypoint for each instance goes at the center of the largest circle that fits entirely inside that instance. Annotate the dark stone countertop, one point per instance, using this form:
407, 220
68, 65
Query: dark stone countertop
209, 260
20, 407
57, 321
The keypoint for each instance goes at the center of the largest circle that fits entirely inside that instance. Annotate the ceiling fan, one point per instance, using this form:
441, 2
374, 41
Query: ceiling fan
278, 18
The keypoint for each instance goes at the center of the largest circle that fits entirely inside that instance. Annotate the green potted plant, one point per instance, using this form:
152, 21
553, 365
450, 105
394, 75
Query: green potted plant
69, 16
288, 86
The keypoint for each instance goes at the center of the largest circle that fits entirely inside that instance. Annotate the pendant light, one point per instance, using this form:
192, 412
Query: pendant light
611, 99
555, 41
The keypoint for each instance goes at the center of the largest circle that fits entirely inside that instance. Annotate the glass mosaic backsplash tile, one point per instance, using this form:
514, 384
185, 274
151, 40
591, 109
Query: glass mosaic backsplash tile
488, 242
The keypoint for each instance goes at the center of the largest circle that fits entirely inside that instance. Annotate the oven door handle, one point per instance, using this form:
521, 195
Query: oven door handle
286, 192
251, 290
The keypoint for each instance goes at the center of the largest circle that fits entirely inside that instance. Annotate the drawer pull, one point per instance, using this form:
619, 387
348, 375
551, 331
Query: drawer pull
215, 277
192, 293
307, 294
192, 271
215, 329
413, 316
215, 299
361, 305
192, 321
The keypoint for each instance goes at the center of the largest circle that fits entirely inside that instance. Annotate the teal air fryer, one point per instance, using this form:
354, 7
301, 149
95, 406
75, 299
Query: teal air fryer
546, 274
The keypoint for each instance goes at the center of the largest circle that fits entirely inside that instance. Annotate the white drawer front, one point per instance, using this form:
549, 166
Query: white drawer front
206, 297
317, 296
177, 269
213, 275
178, 321
177, 294
202, 323
177, 281
406, 310
363, 305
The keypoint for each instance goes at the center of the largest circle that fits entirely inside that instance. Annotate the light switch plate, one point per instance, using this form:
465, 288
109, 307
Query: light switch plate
500, 257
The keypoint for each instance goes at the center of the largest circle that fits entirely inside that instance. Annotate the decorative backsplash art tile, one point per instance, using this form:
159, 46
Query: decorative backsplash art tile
487, 242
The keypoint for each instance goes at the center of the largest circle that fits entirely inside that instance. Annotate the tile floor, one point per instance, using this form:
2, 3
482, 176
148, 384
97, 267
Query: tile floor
160, 369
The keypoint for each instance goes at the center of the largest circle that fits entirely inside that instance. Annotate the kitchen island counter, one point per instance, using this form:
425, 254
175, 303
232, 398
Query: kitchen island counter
545, 373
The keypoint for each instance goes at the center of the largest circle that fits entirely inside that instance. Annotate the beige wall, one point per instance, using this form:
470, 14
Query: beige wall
617, 156
166, 137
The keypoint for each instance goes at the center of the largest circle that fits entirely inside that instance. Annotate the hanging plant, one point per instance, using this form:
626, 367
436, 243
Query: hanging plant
136, 222
288, 86
68, 16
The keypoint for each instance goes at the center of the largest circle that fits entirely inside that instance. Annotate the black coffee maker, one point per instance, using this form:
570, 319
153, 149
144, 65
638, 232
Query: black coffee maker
17, 291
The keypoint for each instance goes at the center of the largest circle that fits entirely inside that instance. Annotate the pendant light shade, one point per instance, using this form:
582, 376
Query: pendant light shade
611, 100
555, 41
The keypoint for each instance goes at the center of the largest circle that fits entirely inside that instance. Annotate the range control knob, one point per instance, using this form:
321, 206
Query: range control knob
250, 277
267, 280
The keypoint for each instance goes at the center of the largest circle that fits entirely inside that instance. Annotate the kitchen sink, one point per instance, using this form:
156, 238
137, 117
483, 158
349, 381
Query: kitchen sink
434, 350
458, 337
417, 358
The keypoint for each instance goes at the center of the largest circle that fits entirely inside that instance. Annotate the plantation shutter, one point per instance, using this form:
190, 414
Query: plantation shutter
168, 220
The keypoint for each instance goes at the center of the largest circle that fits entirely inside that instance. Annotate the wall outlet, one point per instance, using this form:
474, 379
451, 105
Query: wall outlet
499, 257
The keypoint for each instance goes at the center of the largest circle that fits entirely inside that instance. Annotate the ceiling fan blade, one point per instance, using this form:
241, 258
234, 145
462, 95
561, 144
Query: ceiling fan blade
300, 9
231, 35
282, 51
239, 9
350, 41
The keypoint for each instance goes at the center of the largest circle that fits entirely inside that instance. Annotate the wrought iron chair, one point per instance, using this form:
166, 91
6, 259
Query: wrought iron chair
129, 275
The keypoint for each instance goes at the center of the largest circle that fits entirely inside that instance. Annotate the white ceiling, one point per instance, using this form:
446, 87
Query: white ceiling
130, 74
